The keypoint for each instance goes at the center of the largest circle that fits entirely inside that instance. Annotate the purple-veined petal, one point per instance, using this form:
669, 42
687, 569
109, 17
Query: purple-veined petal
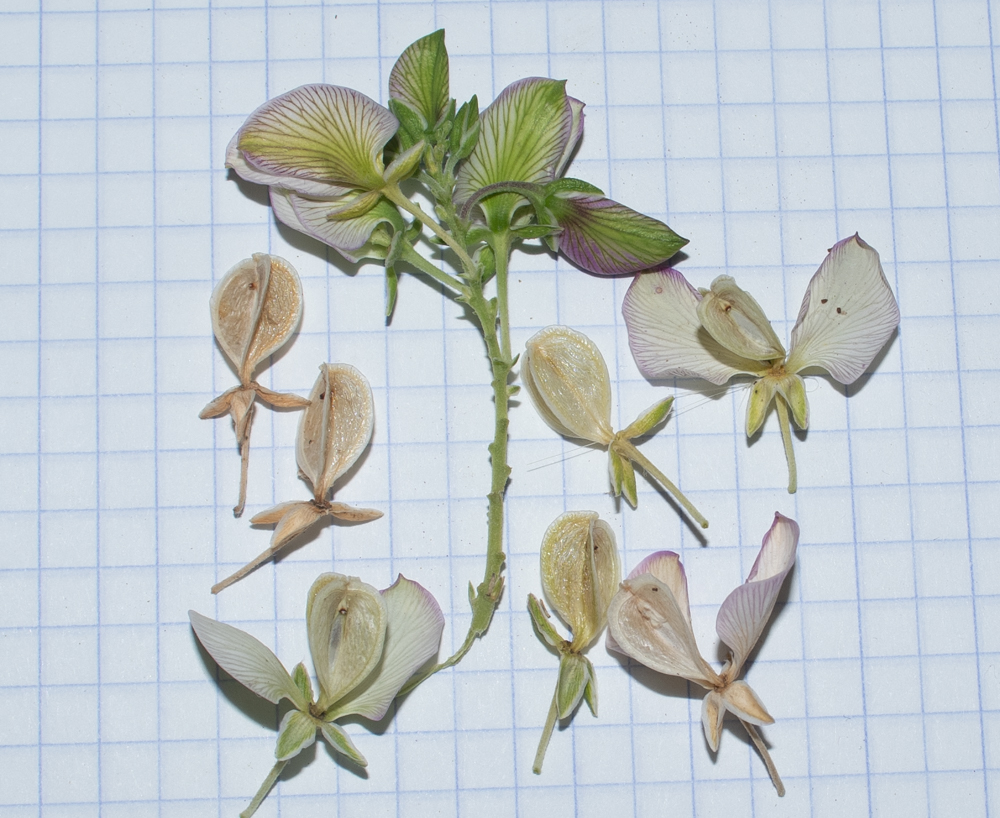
647, 624
575, 134
666, 566
247, 660
346, 622
666, 337
297, 731
608, 238
746, 610
412, 637
420, 77
743, 701
347, 236
847, 315
523, 136
307, 187
318, 133
713, 712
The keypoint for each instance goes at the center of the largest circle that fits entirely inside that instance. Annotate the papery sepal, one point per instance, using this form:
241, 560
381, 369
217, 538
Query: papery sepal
543, 625
574, 675
713, 712
297, 731
341, 742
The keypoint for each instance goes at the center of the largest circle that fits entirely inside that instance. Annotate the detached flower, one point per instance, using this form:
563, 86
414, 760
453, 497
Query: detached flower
649, 620
319, 149
333, 432
580, 572
567, 378
365, 644
846, 317
255, 309
528, 135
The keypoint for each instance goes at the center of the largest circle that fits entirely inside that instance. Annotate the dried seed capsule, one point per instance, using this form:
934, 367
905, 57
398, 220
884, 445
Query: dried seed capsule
255, 309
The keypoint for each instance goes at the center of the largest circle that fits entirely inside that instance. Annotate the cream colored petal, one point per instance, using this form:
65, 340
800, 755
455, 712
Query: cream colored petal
336, 426
734, 318
280, 313
713, 713
741, 699
568, 380
346, 621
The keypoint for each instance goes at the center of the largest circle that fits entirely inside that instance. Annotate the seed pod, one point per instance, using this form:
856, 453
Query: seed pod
255, 309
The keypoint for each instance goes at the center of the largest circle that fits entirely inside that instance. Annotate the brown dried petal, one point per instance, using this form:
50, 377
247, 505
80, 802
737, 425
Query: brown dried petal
336, 427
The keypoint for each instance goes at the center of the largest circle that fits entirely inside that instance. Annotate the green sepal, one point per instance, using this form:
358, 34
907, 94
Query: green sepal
535, 231
570, 185
341, 742
405, 164
472, 594
297, 732
411, 126
465, 132
420, 78
623, 477
391, 286
302, 681
793, 390
590, 691
574, 674
648, 420
543, 626
761, 395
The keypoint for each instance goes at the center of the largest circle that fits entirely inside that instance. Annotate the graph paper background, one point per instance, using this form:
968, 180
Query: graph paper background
764, 132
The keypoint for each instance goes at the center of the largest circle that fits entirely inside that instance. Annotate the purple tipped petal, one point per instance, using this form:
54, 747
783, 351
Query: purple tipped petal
666, 336
312, 217
607, 238
746, 610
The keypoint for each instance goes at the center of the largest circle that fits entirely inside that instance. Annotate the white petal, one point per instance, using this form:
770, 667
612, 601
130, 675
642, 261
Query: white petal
713, 712
741, 700
307, 187
666, 566
847, 315
347, 236
666, 337
247, 660
746, 610
412, 637
647, 624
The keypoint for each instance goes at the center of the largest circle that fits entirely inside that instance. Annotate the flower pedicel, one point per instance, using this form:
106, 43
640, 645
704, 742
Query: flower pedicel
255, 309
567, 378
364, 644
333, 432
846, 317
649, 620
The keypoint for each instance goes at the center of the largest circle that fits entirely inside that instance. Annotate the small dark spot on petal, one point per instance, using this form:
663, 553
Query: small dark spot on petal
654, 589
823, 300
659, 290
840, 311
342, 610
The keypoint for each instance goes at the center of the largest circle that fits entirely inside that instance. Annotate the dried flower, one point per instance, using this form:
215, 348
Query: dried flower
846, 317
365, 644
649, 620
255, 309
333, 432
580, 572
567, 378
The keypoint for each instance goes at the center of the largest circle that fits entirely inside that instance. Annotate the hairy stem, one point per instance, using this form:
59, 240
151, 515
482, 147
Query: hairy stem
627, 449
786, 438
543, 742
265, 788
764, 754
422, 264
395, 195
501, 251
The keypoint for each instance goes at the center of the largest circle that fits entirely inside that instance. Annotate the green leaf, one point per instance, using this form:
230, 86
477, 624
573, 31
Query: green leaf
391, 285
535, 231
297, 732
411, 125
628, 483
573, 679
590, 691
543, 626
302, 681
569, 185
465, 130
420, 78
341, 742
648, 420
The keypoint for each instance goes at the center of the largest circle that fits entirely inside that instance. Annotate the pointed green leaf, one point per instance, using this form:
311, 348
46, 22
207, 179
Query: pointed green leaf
590, 691
404, 165
465, 131
607, 238
648, 420
342, 743
420, 78
297, 732
391, 286
535, 231
411, 125
569, 185
319, 133
628, 483
543, 626
573, 678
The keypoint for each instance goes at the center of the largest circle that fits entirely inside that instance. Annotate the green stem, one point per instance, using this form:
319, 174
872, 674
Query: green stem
543, 742
786, 438
501, 251
764, 754
422, 264
265, 788
395, 195
626, 448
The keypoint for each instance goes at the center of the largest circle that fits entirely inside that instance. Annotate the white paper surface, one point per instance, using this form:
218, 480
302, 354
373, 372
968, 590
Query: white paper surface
763, 132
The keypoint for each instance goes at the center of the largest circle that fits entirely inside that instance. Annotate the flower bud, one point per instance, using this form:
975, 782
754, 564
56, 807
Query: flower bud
580, 573
734, 319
